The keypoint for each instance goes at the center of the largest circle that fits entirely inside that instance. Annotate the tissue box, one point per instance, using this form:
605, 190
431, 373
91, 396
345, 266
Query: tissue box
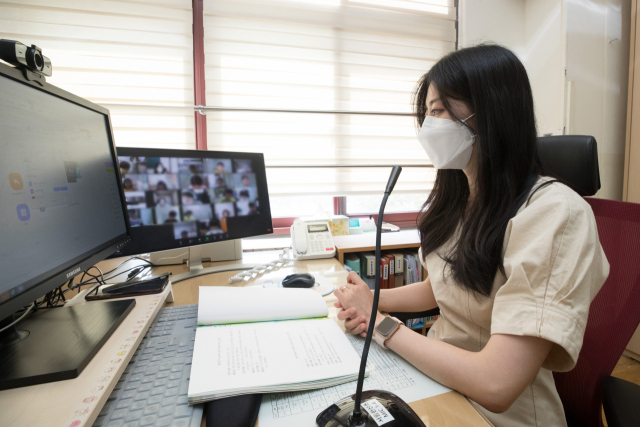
339, 225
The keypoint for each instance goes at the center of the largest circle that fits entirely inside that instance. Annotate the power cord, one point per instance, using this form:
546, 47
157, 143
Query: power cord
19, 318
52, 299
284, 259
137, 270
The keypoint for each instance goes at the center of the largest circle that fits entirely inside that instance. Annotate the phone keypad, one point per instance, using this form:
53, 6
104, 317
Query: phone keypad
320, 242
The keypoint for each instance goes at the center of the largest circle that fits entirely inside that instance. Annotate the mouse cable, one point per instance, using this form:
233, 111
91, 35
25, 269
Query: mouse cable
284, 259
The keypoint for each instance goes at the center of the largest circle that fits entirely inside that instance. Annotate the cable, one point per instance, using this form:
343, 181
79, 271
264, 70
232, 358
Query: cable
283, 259
115, 275
19, 318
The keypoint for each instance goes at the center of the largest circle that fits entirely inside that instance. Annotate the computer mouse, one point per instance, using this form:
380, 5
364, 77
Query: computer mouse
304, 280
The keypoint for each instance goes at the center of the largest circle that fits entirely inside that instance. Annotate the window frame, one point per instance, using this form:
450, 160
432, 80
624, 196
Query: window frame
280, 225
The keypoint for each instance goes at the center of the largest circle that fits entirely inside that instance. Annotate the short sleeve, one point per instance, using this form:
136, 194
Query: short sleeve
554, 266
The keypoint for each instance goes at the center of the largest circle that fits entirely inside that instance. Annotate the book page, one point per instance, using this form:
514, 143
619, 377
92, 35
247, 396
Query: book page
388, 371
221, 305
235, 359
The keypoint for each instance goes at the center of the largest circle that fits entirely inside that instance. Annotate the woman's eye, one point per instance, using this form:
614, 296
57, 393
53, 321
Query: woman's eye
435, 112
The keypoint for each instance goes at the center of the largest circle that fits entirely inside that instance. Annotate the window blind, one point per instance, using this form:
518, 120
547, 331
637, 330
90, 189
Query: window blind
133, 57
353, 55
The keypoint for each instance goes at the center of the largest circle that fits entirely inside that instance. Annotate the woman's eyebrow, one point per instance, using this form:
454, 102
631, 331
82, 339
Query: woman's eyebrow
433, 100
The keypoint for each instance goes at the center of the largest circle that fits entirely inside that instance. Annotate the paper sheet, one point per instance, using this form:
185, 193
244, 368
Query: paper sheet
389, 372
274, 356
227, 305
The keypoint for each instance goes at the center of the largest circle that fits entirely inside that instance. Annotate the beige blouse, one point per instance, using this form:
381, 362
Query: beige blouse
554, 266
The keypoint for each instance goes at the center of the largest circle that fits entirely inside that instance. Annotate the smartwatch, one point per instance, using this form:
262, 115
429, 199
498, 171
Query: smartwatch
385, 330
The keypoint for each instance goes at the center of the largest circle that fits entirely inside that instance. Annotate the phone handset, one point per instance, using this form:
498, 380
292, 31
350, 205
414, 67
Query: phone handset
299, 238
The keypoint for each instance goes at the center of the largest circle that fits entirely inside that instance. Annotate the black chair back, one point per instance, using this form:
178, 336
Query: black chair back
573, 159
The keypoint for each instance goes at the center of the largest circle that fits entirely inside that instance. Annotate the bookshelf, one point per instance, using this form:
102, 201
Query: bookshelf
404, 239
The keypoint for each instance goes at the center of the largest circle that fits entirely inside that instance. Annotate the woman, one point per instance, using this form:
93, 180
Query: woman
513, 257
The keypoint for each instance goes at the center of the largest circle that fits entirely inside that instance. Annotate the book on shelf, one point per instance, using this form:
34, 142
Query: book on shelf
384, 273
399, 269
367, 268
353, 261
391, 282
257, 340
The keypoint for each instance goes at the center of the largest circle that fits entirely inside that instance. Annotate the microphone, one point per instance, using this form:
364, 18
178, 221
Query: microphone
348, 412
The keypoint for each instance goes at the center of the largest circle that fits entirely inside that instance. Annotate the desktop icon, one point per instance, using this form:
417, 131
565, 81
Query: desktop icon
16, 181
23, 212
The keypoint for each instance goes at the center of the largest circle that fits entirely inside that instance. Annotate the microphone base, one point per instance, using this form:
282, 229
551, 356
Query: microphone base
386, 407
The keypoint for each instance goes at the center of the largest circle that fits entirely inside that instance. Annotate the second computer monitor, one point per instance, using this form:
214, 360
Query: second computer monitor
180, 198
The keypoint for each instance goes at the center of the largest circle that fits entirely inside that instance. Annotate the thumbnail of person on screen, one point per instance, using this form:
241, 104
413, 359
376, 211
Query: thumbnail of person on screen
172, 218
163, 201
219, 168
124, 167
214, 227
160, 168
127, 184
188, 216
199, 188
243, 165
227, 197
188, 198
134, 219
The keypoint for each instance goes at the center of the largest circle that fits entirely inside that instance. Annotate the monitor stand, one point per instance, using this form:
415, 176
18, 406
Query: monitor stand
56, 344
195, 263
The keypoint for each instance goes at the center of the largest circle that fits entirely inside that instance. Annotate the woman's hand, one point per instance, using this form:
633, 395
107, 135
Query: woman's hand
355, 301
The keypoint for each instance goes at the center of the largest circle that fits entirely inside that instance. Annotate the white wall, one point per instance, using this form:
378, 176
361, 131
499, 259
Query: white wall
597, 64
497, 21
533, 30
544, 61
589, 39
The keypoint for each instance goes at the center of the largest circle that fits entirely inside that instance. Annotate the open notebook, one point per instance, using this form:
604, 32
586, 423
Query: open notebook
257, 340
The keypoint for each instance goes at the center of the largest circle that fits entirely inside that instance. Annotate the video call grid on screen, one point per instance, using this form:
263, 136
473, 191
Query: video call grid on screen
196, 196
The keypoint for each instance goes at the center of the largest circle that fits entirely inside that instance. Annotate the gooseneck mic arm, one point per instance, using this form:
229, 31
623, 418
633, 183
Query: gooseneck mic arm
393, 178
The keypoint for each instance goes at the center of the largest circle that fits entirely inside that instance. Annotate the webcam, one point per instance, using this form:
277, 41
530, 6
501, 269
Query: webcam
25, 57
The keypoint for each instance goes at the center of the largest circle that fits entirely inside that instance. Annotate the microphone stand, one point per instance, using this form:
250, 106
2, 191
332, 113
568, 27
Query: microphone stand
348, 412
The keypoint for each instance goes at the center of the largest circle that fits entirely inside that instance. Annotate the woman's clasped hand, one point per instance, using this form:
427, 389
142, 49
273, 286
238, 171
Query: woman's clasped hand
355, 303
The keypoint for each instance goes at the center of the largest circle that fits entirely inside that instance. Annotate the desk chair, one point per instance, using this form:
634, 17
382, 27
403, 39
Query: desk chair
614, 314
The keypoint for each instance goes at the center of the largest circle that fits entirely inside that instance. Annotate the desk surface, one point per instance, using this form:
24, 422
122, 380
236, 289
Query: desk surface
449, 409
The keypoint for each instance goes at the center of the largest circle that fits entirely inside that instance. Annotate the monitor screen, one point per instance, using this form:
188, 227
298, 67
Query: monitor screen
179, 198
59, 187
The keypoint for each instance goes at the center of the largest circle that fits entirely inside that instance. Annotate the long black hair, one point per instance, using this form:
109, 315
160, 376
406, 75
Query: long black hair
492, 81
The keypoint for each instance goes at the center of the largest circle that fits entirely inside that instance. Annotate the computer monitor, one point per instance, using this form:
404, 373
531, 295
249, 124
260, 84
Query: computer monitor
62, 211
186, 198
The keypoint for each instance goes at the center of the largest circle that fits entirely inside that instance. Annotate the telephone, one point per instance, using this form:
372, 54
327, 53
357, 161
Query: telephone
312, 240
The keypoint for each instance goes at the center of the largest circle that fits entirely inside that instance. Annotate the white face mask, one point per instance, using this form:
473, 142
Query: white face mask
448, 144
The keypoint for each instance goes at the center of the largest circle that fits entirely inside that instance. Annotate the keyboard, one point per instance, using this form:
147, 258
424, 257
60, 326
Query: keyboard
153, 388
